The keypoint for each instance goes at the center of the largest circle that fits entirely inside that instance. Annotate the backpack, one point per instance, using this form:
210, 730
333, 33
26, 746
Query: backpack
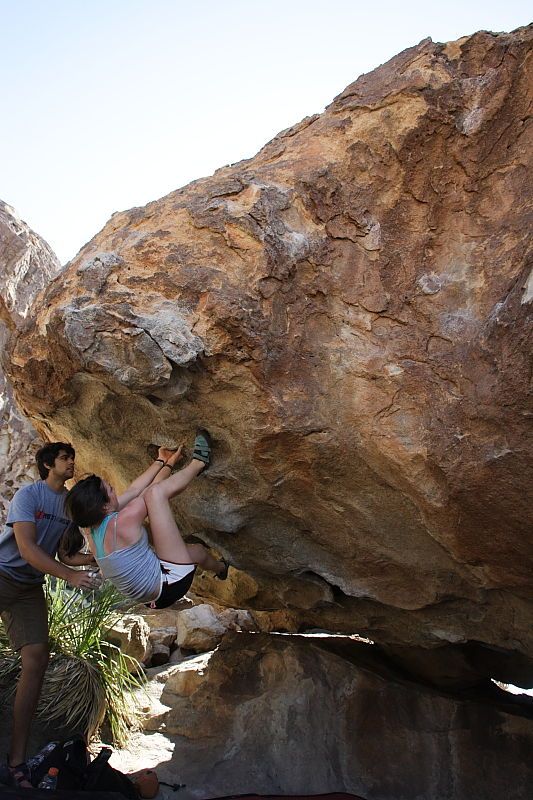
101, 776
77, 771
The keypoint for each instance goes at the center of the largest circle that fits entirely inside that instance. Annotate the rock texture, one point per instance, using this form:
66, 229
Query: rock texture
27, 265
132, 634
348, 312
18, 444
259, 717
201, 628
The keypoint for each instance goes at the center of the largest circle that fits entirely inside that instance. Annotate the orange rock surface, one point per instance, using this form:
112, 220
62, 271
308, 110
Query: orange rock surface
348, 313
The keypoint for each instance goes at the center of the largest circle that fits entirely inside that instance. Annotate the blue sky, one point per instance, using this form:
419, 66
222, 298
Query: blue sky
110, 104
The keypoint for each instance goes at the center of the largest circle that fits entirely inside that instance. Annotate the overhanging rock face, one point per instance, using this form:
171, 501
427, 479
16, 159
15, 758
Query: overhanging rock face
348, 313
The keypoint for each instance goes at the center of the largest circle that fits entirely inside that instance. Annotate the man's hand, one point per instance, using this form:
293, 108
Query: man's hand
82, 579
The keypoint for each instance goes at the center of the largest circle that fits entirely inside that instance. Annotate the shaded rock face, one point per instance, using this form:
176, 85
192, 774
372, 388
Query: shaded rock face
348, 314
260, 717
27, 264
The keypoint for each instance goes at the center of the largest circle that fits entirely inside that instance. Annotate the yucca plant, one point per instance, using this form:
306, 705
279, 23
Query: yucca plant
88, 679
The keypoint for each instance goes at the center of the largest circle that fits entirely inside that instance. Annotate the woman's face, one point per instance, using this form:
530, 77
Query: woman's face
112, 503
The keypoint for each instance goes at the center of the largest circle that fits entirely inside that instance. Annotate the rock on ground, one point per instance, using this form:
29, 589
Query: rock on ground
132, 634
275, 715
202, 627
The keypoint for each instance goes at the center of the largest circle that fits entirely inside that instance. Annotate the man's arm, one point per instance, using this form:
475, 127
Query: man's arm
26, 536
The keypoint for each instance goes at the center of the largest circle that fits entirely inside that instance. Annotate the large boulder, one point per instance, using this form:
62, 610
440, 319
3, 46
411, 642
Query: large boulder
348, 313
277, 715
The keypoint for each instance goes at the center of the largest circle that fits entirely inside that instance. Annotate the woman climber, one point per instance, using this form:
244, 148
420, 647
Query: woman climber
124, 556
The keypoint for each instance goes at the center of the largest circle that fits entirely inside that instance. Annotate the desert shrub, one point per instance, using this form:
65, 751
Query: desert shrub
89, 681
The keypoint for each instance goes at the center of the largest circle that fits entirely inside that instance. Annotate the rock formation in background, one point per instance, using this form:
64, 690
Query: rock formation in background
348, 312
18, 443
27, 265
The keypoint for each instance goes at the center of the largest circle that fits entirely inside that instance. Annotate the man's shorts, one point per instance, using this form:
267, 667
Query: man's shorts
24, 613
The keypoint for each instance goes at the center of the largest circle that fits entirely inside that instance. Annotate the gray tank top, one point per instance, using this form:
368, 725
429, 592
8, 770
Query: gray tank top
134, 570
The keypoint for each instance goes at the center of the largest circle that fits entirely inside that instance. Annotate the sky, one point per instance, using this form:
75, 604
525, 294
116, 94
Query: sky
109, 104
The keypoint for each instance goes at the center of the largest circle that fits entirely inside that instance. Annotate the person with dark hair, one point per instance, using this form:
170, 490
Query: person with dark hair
35, 524
124, 555
47, 454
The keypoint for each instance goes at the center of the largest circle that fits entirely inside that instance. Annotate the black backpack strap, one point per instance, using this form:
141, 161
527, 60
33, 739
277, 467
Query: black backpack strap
96, 766
100, 776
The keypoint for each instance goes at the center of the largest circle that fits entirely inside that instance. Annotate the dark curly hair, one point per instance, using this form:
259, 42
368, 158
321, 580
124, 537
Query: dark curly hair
86, 501
47, 455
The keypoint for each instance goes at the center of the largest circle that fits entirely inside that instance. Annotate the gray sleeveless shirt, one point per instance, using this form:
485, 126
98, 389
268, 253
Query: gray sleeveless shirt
134, 570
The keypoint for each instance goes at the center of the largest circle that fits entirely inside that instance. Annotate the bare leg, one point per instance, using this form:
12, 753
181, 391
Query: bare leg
34, 661
166, 536
200, 555
174, 484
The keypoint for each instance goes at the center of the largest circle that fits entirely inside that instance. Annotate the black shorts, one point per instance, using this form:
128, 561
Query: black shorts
171, 592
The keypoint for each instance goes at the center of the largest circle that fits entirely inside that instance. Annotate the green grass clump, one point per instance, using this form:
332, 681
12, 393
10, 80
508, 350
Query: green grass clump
89, 681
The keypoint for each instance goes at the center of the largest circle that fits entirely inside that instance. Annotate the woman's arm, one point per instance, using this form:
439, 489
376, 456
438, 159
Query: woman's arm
139, 484
153, 474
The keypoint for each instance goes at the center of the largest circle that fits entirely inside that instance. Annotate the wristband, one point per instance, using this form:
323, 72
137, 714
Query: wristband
168, 465
161, 460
